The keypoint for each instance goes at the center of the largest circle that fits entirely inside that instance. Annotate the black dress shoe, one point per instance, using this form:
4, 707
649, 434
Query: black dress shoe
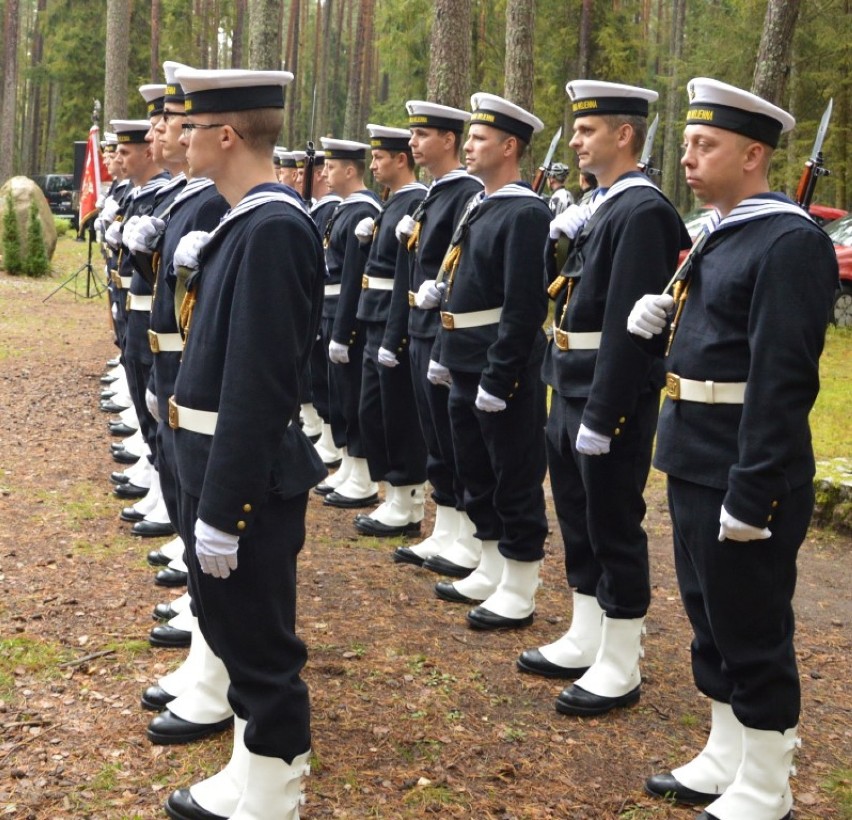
163, 612
153, 529
447, 592
705, 815
170, 577
109, 406
119, 478
115, 361
335, 499
577, 701
124, 457
444, 567
668, 787
173, 638
533, 662
323, 489
370, 526
155, 699
119, 428
182, 806
481, 618
166, 729
131, 515
130, 490
404, 555
333, 464
106, 394
157, 559
108, 378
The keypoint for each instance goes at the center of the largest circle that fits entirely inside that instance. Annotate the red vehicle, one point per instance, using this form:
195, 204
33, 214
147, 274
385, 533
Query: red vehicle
840, 232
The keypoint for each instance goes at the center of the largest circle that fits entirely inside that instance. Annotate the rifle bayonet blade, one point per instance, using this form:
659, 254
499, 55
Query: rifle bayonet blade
649, 143
552, 150
823, 128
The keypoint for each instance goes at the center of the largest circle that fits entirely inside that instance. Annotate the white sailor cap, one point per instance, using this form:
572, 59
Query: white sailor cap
299, 157
130, 131
285, 158
154, 98
385, 138
599, 98
231, 89
425, 114
344, 149
319, 158
110, 140
489, 109
174, 90
724, 106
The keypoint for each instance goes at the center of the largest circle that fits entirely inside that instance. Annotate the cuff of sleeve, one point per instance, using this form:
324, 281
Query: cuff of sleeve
754, 505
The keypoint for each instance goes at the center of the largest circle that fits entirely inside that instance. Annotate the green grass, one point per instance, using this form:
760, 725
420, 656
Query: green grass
830, 416
839, 786
32, 656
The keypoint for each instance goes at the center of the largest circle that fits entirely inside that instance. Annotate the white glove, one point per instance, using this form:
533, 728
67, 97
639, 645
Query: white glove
114, 311
364, 229
338, 353
110, 210
387, 358
488, 403
151, 404
570, 222
429, 294
404, 228
438, 375
113, 235
147, 234
99, 228
129, 228
648, 317
735, 530
590, 443
215, 550
99, 203
189, 248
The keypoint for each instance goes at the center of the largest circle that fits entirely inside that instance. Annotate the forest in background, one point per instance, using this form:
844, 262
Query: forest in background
357, 61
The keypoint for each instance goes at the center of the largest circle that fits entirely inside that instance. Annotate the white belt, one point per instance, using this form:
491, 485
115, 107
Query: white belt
475, 318
196, 421
136, 302
331, 290
376, 283
165, 342
568, 340
707, 392
123, 281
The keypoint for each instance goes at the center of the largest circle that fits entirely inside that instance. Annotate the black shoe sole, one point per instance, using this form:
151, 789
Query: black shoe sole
443, 567
592, 704
203, 730
490, 622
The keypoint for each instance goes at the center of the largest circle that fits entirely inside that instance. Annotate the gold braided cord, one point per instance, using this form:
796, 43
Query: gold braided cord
187, 306
414, 238
680, 291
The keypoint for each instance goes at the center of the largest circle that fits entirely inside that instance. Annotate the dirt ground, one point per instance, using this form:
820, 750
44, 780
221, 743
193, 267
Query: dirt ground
414, 714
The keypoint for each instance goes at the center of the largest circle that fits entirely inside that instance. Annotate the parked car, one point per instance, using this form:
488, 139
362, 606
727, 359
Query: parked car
840, 232
59, 191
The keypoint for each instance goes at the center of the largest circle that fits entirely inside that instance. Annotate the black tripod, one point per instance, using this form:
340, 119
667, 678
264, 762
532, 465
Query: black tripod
93, 286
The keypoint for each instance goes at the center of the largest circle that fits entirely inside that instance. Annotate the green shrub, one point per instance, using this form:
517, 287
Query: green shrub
62, 225
36, 262
13, 262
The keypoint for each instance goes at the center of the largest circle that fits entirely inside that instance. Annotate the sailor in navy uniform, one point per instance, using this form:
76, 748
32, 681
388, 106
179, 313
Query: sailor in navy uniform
324, 204
154, 521
436, 137
147, 178
396, 452
195, 693
491, 343
742, 335
250, 315
603, 408
345, 164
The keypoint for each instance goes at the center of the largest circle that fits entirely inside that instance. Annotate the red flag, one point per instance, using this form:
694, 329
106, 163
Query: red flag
94, 172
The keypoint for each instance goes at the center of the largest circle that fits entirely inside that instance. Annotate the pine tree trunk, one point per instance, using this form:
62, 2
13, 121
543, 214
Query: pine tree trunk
671, 183
117, 28
239, 29
520, 26
155, 41
352, 117
263, 35
584, 44
773, 54
33, 129
450, 54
